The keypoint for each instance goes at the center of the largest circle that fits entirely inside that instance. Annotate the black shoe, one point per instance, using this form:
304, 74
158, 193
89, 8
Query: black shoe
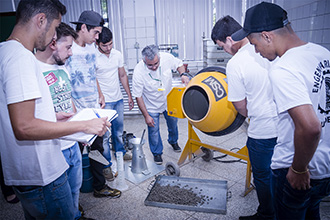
252, 217
158, 159
14, 200
82, 212
85, 218
107, 192
176, 147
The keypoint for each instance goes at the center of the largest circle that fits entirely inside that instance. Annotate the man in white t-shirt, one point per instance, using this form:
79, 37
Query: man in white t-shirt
31, 157
109, 72
86, 92
301, 83
250, 92
52, 62
152, 81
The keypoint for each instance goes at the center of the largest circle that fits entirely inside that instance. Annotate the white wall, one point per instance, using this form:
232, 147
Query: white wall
139, 28
310, 19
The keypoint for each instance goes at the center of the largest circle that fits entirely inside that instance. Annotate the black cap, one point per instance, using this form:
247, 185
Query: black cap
261, 17
91, 18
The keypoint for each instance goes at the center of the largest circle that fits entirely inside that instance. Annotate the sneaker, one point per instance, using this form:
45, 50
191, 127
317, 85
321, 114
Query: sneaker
108, 175
158, 159
86, 218
12, 199
107, 192
127, 157
252, 217
82, 212
176, 147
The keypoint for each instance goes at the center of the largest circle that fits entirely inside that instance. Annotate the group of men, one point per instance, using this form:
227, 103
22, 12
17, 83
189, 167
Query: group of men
285, 94
50, 72
286, 100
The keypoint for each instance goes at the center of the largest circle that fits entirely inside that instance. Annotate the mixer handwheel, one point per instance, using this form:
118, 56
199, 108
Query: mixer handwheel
172, 169
208, 154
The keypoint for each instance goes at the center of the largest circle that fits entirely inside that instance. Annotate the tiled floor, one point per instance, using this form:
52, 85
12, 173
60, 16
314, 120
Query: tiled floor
131, 204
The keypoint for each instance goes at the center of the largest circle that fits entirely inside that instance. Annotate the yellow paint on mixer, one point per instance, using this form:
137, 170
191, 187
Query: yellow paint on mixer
205, 104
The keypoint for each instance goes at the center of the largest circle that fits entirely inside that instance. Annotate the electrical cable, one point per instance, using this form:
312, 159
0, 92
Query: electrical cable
228, 161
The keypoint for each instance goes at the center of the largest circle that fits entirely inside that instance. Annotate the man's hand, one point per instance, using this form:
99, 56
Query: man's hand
63, 116
97, 126
102, 101
130, 103
298, 181
185, 80
150, 121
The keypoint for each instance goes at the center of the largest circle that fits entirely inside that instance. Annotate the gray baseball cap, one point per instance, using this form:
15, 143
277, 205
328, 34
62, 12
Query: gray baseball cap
91, 18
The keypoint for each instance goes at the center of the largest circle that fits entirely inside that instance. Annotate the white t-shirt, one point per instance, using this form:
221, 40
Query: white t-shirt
26, 162
81, 67
154, 86
107, 74
58, 81
247, 74
302, 76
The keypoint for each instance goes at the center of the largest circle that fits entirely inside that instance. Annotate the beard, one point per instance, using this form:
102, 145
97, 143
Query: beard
41, 44
58, 60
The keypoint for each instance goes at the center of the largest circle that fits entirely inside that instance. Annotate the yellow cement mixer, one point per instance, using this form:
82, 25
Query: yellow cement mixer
204, 103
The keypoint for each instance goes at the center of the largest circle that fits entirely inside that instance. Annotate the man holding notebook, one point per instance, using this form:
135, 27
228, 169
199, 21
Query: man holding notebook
86, 92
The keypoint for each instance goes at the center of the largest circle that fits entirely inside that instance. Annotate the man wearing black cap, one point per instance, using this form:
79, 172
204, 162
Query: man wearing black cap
86, 92
301, 86
250, 92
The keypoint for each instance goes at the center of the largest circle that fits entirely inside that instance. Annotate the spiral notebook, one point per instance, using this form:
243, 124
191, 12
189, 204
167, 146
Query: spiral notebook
87, 114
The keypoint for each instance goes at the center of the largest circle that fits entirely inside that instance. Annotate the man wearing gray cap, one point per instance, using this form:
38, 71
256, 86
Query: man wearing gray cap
301, 86
86, 92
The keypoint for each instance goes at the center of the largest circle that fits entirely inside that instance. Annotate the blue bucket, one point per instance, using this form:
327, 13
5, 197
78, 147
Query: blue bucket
87, 183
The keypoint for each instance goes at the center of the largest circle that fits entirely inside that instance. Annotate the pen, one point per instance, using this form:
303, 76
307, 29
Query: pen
97, 115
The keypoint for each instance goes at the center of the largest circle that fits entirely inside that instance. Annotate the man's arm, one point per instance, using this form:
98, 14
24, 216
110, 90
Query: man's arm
101, 96
184, 79
149, 120
240, 106
27, 127
306, 138
124, 81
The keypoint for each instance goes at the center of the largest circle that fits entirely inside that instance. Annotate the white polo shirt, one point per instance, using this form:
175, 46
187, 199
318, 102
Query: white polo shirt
154, 86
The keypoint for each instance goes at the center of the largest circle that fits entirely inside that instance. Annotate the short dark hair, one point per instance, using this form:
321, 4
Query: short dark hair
64, 30
89, 27
105, 36
224, 27
26, 9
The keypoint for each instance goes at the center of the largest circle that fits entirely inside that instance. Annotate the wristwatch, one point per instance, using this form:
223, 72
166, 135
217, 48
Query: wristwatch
183, 74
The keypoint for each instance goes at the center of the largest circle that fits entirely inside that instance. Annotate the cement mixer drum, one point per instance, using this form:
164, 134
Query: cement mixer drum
205, 104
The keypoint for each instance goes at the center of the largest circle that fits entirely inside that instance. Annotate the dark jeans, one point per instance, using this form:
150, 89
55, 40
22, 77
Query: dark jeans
53, 201
155, 140
96, 167
298, 204
260, 154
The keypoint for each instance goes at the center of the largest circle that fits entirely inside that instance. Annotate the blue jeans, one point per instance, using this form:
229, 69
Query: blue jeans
155, 141
117, 128
73, 158
298, 204
260, 154
53, 201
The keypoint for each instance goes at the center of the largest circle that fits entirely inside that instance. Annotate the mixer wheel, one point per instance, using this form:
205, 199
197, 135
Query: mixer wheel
208, 154
172, 169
